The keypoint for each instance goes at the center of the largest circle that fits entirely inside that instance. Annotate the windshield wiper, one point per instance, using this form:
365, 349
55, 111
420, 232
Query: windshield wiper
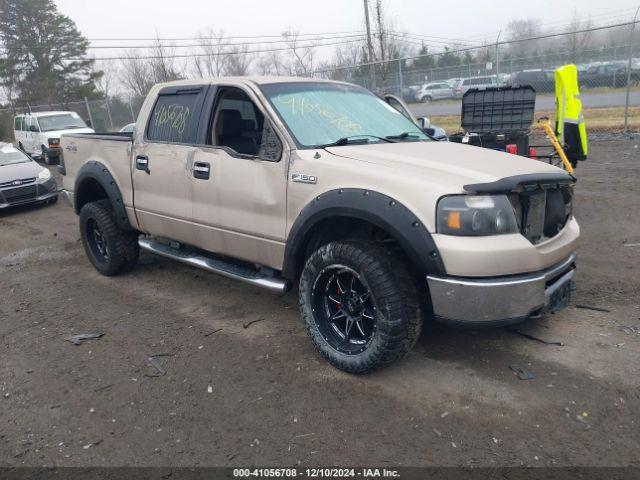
355, 139
402, 136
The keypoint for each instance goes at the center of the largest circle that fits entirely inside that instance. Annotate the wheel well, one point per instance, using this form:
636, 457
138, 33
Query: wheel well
89, 190
343, 228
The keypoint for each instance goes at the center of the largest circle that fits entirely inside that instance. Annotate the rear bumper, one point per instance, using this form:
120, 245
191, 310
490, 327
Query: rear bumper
497, 301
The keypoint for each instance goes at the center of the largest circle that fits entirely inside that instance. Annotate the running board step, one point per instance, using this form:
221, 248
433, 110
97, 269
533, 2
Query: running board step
227, 269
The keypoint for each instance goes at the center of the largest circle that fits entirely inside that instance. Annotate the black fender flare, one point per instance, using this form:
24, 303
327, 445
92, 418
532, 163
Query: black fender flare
376, 208
96, 171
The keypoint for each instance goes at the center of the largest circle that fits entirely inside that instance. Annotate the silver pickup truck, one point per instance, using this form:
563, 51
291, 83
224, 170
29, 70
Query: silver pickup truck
321, 185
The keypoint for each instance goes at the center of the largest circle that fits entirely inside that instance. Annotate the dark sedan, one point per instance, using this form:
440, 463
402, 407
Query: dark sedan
23, 181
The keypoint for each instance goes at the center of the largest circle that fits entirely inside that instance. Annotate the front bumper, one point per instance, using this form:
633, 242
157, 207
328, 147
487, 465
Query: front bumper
39, 199
497, 300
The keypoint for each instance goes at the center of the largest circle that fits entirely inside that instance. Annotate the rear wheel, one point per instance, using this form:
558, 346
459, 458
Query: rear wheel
110, 249
360, 305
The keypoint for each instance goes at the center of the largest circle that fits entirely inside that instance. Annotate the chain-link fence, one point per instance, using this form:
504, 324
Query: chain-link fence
607, 58
433, 84
106, 115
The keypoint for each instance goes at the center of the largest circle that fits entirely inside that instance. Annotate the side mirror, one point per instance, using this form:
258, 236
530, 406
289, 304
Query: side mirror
33, 128
424, 122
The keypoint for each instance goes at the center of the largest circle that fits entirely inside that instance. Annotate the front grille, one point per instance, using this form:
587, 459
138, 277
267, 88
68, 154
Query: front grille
23, 181
542, 212
19, 194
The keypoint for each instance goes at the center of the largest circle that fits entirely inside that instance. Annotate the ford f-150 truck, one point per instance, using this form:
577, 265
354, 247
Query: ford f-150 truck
283, 182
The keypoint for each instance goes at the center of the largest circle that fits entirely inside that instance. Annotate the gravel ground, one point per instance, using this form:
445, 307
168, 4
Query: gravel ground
260, 395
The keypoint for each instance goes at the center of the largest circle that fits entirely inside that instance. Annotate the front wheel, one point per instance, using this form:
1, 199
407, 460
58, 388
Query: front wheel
360, 305
110, 249
426, 99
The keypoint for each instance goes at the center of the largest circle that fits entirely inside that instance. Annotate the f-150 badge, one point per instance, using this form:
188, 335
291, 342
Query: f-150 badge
302, 178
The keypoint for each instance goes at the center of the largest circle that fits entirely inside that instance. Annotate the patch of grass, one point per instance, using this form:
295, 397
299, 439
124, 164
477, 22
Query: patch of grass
597, 120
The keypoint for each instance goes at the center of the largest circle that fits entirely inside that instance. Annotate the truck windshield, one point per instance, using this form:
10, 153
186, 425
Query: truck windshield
323, 114
10, 156
65, 121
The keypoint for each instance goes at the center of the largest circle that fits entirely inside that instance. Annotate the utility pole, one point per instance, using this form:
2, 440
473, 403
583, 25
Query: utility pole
626, 104
369, 44
498, 54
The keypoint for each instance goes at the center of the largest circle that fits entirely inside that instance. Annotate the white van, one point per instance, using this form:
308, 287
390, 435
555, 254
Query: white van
38, 134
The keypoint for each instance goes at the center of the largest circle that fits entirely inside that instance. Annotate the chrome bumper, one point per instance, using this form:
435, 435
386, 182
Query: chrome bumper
497, 300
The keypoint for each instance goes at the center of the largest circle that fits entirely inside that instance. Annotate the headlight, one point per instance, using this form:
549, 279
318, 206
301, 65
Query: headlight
44, 174
475, 215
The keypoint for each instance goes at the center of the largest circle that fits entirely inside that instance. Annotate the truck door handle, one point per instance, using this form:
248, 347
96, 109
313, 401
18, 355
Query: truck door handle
201, 170
142, 163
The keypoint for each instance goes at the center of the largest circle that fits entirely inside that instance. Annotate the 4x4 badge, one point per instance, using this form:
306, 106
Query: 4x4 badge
302, 178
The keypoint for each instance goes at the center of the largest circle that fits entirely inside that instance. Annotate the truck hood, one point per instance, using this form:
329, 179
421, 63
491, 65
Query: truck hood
450, 165
57, 133
19, 171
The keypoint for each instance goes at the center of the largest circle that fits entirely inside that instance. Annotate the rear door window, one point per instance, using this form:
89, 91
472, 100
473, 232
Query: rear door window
175, 116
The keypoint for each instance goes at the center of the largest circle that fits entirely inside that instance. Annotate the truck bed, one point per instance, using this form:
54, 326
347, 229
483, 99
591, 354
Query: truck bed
111, 150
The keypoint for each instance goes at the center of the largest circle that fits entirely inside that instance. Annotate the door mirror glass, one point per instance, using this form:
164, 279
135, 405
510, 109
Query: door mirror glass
424, 122
34, 128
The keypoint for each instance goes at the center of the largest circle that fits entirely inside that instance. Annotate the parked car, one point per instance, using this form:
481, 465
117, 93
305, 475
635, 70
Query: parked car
284, 181
464, 84
434, 91
22, 180
423, 123
612, 75
540, 80
38, 134
452, 81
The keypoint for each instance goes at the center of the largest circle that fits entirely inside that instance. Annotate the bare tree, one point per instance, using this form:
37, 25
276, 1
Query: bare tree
270, 63
576, 42
389, 45
136, 74
211, 62
237, 61
108, 83
303, 54
163, 64
518, 30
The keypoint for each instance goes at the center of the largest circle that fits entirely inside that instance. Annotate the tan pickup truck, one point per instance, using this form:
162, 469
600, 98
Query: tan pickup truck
283, 182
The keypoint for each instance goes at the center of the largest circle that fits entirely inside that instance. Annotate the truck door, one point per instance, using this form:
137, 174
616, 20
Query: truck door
240, 181
162, 159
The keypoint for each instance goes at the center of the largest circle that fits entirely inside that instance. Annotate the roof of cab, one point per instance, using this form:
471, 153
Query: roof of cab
256, 80
45, 114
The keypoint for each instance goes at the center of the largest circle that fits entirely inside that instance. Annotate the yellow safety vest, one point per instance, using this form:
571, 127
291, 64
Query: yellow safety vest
570, 127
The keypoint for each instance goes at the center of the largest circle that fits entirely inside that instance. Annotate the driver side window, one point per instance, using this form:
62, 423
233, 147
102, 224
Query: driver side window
239, 125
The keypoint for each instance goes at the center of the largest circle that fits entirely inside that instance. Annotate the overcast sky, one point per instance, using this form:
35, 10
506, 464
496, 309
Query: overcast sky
456, 19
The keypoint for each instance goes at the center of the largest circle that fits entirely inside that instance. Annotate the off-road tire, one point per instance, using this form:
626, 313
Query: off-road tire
122, 246
399, 313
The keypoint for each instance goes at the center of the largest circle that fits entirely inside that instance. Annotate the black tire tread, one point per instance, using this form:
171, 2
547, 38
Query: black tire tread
388, 275
123, 245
